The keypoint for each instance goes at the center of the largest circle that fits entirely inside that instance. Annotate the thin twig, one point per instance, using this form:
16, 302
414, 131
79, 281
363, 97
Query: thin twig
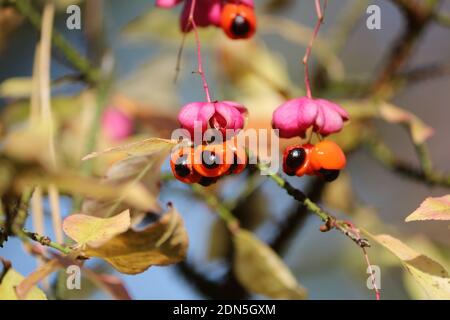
46, 241
305, 60
191, 21
330, 221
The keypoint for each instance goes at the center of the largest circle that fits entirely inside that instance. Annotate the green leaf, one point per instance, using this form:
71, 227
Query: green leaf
432, 209
141, 148
260, 270
420, 132
162, 243
93, 231
430, 275
12, 279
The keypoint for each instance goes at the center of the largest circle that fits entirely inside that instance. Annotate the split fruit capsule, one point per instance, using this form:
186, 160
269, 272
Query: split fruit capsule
238, 21
324, 159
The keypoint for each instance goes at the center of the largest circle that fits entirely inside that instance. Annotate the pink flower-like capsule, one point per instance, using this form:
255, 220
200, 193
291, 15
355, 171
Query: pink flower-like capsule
206, 13
296, 116
116, 125
220, 115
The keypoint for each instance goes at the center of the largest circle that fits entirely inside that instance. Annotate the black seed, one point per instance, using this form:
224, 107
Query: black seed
182, 170
209, 160
329, 174
240, 26
295, 158
206, 181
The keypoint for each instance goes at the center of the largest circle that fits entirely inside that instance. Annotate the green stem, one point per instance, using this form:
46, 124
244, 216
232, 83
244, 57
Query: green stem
46, 241
330, 221
79, 62
386, 157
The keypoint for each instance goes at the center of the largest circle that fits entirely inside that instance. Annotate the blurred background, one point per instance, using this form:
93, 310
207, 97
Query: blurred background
136, 44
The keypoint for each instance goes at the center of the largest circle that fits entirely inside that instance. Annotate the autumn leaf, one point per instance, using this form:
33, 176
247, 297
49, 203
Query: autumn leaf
17, 87
93, 231
430, 275
30, 282
432, 209
141, 148
260, 270
162, 243
133, 194
12, 279
420, 132
144, 170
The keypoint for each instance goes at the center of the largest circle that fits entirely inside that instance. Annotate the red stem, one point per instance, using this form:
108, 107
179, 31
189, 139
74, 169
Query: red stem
319, 22
199, 53
366, 257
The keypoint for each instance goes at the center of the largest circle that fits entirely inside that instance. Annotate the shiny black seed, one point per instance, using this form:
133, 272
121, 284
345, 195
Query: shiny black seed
240, 26
210, 160
206, 181
182, 170
329, 174
295, 158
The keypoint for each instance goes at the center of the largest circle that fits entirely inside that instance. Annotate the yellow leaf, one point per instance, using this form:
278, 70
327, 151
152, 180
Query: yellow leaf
162, 243
16, 87
12, 279
141, 148
260, 270
430, 275
432, 209
420, 132
93, 231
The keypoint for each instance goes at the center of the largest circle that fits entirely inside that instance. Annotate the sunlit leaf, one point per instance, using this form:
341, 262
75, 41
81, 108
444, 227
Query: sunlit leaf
260, 270
162, 243
30, 282
12, 279
432, 209
93, 231
16, 87
430, 275
420, 132
29, 144
143, 169
141, 148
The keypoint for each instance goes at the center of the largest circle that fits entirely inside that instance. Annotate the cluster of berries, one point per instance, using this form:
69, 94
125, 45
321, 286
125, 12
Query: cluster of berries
236, 18
205, 164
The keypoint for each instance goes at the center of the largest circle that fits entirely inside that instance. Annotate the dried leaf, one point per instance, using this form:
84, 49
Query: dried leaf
93, 231
420, 132
12, 279
133, 194
432, 209
141, 148
30, 282
430, 275
260, 270
162, 243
